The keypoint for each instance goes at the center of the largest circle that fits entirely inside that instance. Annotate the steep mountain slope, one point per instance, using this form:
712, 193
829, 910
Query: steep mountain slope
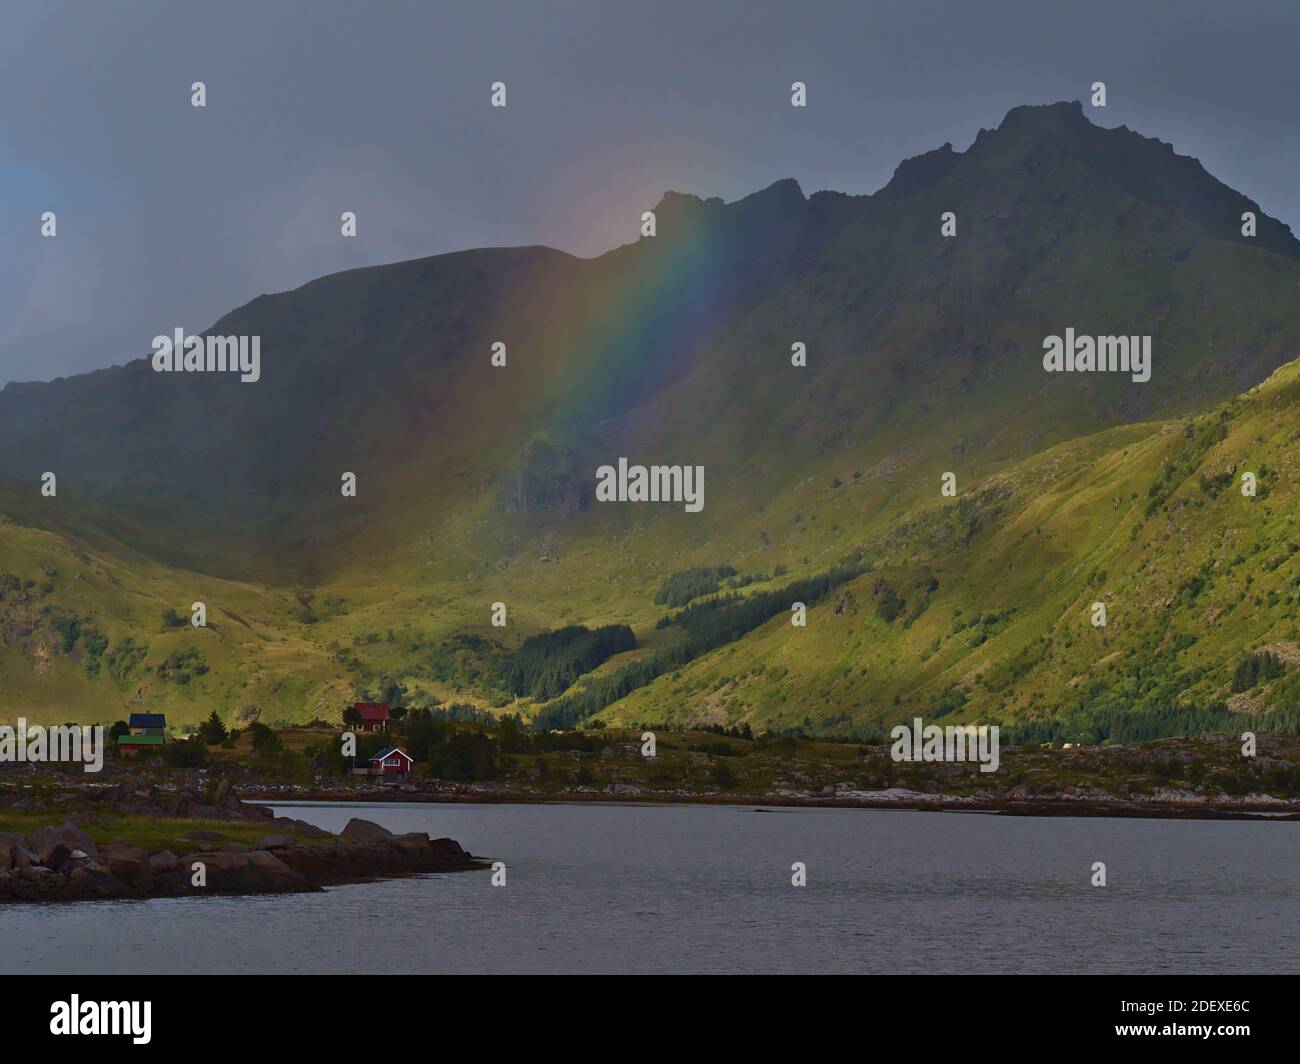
475, 483
999, 590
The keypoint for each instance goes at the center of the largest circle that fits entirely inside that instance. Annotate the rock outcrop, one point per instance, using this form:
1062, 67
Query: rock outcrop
62, 863
365, 829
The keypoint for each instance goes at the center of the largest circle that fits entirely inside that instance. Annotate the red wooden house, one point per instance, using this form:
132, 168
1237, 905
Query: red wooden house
391, 764
374, 716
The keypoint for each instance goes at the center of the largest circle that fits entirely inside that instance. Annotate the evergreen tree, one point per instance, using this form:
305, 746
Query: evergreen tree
213, 730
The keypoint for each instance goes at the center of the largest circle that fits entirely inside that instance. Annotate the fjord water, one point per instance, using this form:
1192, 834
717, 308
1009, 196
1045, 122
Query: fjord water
637, 888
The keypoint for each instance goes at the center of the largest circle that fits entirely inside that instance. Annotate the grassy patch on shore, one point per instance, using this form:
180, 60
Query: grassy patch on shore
148, 832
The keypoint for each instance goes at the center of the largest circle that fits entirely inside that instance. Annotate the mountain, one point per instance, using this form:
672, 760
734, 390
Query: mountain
475, 483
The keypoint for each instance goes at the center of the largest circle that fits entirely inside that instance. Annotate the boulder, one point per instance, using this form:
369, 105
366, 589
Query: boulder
93, 880
68, 833
223, 792
365, 830
296, 825
413, 846
448, 848
274, 872
77, 838
10, 844
164, 862
54, 854
131, 865
276, 842
255, 871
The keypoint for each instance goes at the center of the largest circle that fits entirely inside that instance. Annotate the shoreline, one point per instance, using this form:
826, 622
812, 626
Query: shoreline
926, 803
150, 845
285, 869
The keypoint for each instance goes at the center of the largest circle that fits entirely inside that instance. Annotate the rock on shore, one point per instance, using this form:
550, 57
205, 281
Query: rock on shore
62, 863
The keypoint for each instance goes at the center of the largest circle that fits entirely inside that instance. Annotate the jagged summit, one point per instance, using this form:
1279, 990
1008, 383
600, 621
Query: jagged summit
1035, 136
780, 192
1030, 144
1064, 118
781, 195
1061, 113
920, 171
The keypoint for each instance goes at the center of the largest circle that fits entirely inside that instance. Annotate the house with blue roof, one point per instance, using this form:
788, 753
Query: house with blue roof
147, 729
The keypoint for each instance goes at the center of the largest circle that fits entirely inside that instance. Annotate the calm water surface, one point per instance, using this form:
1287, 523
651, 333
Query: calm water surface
611, 888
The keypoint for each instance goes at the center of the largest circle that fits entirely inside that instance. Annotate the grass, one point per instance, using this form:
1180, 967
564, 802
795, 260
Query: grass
150, 833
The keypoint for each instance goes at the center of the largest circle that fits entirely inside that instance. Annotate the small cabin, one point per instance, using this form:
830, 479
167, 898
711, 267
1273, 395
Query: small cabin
374, 716
391, 764
146, 729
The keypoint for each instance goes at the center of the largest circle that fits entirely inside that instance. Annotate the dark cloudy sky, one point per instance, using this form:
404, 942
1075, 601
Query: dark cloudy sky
169, 215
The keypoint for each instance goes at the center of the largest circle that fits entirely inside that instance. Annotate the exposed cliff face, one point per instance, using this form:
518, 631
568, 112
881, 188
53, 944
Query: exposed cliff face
546, 477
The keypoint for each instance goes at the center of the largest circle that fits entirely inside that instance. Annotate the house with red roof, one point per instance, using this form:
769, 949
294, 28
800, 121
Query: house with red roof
374, 716
391, 764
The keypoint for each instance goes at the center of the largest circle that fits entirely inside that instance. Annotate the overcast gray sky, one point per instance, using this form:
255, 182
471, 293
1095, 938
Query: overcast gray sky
171, 215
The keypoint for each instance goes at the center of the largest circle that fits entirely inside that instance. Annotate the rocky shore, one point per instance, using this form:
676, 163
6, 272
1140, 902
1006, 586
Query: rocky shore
62, 862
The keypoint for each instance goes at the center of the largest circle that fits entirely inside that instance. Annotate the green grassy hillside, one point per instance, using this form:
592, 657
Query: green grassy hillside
978, 607
998, 588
